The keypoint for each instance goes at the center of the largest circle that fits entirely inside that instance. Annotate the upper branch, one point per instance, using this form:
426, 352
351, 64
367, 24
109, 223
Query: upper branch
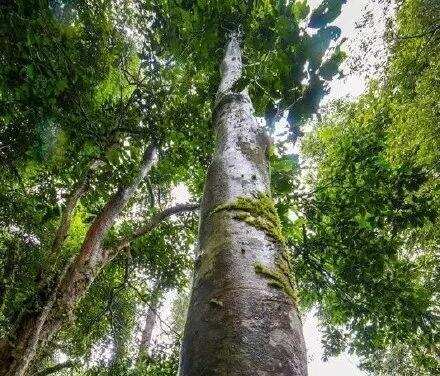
154, 222
79, 190
231, 66
114, 207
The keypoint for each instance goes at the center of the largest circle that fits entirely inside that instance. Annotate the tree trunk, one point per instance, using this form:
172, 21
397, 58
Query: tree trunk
38, 328
147, 332
72, 283
243, 319
150, 321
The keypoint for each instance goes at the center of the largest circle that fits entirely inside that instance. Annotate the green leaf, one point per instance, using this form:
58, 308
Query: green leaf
300, 9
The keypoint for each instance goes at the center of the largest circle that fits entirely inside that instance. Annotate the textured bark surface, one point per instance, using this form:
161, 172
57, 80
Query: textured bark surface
238, 324
92, 256
72, 283
6, 356
147, 331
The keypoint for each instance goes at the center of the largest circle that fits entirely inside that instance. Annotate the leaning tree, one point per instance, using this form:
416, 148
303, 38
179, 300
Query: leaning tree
88, 136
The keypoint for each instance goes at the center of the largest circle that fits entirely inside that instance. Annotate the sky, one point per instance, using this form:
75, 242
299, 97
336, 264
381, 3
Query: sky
354, 83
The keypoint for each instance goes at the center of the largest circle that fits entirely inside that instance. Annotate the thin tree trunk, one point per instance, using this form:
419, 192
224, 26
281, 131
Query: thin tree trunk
150, 321
243, 319
147, 332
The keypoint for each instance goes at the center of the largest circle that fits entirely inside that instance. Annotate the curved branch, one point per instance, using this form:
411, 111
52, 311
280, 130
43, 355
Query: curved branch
113, 208
154, 222
55, 368
79, 190
81, 271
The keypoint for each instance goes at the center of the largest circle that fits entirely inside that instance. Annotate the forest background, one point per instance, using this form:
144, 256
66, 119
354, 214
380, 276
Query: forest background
106, 107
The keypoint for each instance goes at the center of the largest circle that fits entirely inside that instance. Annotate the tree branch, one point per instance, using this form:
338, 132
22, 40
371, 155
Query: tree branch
92, 257
154, 222
151, 193
55, 368
78, 191
114, 207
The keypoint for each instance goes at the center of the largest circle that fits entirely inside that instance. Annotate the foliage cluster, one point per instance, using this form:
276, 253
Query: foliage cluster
369, 247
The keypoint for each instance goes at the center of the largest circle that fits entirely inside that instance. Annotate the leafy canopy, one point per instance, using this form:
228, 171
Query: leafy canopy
368, 249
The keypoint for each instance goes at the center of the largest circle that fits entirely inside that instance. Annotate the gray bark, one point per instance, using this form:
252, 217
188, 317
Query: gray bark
238, 324
150, 321
92, 257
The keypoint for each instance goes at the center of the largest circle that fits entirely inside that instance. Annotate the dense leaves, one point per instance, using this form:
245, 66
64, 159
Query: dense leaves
79, 102
276, 46
369, 251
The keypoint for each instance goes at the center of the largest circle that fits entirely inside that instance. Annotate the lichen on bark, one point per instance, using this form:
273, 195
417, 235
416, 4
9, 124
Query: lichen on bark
280, 277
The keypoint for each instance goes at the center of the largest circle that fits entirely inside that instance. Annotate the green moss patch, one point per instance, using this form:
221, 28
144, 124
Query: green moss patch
260, 212
280, 277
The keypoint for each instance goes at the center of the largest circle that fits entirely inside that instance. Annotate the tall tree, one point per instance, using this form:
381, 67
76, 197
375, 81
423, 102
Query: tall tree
78, 120
243, 316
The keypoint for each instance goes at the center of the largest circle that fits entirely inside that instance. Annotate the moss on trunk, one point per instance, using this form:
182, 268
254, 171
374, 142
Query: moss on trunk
260, 212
